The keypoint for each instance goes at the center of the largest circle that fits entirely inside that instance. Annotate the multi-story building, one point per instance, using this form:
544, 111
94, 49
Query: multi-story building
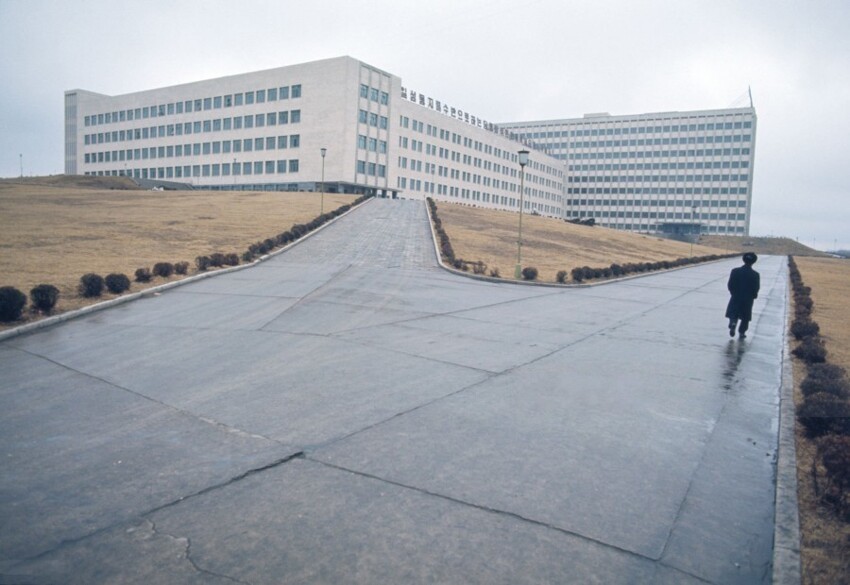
670, 173
344, 126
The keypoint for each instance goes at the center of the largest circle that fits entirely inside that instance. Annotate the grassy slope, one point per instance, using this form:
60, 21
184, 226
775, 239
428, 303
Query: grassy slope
550, 245
825, 540
54, 235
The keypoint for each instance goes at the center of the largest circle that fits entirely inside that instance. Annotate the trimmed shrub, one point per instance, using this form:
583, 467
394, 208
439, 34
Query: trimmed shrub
617, 270
826, 372
217, 259
143, 275
577, 274
44, 297
836, 386
823, 413
12, 303
117, 283
91, 285
494, 272
561, 277
181, 267
811, 350
163, 269
801, 328
247, 256
834, 453
529, 273
231, 259
479, 267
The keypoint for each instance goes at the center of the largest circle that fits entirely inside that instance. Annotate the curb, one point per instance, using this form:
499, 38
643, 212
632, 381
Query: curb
155, 290
787, 567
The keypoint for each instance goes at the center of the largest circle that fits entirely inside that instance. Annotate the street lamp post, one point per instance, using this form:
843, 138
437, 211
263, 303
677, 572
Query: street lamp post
324, 152
693, 213
523, 160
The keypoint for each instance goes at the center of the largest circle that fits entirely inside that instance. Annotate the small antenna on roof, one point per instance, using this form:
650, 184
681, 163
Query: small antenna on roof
750, 92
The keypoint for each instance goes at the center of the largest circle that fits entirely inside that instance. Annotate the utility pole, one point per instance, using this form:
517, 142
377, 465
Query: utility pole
22, 165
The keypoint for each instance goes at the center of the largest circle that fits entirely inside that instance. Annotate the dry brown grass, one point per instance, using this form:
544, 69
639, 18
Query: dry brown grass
54, 235
550, 245
825, 539
761, 245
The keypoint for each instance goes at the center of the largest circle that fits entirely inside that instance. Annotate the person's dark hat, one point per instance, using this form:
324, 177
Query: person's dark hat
750, 258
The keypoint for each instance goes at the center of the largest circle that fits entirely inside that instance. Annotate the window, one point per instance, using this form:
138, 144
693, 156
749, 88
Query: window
271, 119
384, 122
284, 93
207, 103
361, 167
237, 99
270, 143
258, 144
361, 141
295, 141
373, 119
283, 117
247, 145
261, 96
281, 143
260, 120
216, 102
362, 116
258, 167
228, 102
385, 98
227, 124
249, 98
373, 94
295, 116
293, 166
281, 166
373, 144
272, 94
364, 90
249, 121
269, 167
296, 93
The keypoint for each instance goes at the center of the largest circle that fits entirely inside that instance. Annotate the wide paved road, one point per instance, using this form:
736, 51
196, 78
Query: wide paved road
346, 412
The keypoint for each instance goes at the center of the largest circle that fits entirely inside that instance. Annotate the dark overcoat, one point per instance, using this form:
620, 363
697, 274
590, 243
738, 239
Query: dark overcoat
743, 285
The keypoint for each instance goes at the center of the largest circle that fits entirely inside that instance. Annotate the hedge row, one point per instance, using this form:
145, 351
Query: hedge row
580, 274
825, 409
45, 296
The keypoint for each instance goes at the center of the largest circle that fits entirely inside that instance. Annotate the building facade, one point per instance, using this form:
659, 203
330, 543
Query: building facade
670, 173
674, 173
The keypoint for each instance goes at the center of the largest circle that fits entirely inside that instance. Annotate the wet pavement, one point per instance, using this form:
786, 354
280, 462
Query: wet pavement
347, 412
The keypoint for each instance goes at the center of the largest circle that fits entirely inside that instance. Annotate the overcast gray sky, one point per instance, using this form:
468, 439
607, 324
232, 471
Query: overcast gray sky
502, 60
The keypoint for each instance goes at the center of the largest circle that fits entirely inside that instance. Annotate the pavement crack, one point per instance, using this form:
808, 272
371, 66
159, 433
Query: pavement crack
229, 482
186, 543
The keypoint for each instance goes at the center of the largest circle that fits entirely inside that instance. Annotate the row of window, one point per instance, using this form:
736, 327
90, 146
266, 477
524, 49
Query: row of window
373, 119
667, 215
729, 138
466, 142
371, 169
268, 167
655, 154
657, 191
374, 94
196, 149
689, 203
664, 166
197, 127
197, 105
620, 130
657, 178
371, 144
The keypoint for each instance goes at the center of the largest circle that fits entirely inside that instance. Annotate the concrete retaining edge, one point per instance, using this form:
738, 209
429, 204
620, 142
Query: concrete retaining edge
155, 290
787, 566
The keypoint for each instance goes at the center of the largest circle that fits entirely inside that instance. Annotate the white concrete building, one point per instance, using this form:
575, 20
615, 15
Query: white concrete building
671, 173
265, 131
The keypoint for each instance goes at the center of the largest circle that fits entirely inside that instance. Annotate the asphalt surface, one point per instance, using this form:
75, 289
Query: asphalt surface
348, 412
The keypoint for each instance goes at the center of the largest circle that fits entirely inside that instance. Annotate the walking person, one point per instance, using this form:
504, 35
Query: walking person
743, 285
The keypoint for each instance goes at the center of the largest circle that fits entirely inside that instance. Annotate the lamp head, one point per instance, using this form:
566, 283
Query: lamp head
324, 152
523, 157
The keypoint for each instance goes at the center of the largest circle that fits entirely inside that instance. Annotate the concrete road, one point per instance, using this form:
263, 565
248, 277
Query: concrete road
347, 412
